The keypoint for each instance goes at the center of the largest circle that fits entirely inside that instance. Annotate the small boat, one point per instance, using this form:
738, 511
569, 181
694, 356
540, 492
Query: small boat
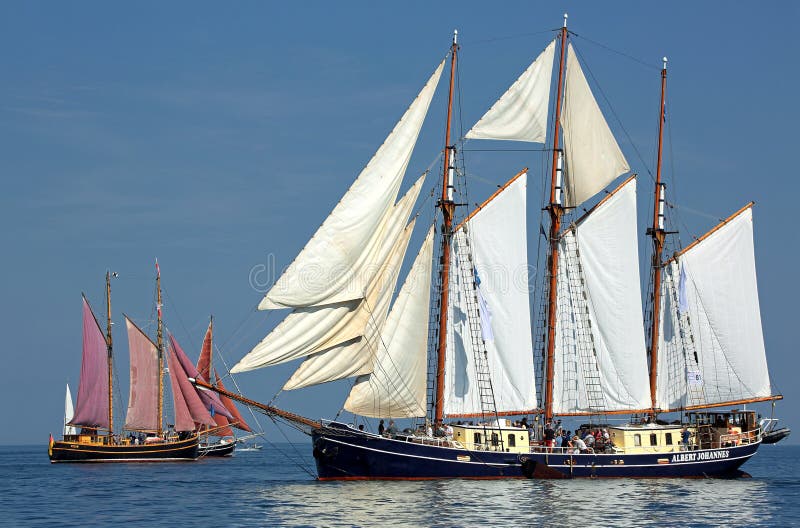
249, 446
772, 433
89, 433
223, 447
462, 364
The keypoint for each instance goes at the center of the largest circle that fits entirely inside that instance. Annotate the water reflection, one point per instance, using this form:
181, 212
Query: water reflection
267, 489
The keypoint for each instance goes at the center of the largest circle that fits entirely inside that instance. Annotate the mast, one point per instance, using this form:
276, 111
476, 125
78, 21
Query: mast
659, 234
160, 348
448, 208
556, 210
109, 348
211, 350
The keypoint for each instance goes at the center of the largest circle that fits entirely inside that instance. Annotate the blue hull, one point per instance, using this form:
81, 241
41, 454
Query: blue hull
342, 453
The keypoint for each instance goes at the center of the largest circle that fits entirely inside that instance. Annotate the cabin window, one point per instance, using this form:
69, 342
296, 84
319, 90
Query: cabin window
512, 441
668, 438
637, 440
495, 439
653, 439
477, 438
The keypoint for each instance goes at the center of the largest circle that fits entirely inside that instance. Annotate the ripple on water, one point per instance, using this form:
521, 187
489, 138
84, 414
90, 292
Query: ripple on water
266, 489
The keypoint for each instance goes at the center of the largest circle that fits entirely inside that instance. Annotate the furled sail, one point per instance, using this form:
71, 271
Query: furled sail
396, 387
711, 346
593, 157
69, 412
331, 267
91, 409
521, 113
354, 358
142, 412
306, 331
490, 267
600, 361
188, 407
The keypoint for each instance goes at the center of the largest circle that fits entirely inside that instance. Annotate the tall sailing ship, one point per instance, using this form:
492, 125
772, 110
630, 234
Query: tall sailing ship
455, 350
89, 434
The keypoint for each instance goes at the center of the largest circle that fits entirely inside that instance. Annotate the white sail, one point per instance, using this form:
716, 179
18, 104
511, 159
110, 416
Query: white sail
330, 269
593, 157
711, 322
355, 357
396, 387
600, 360
69, 412
309, 330
496, 237
521, 113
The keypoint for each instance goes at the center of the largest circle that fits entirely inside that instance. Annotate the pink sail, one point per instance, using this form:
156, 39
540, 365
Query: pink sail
210, 399
204, 361
143, 402
189, 409
92, 407
237, 420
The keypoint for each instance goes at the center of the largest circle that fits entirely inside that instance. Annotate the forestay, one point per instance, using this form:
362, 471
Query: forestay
600, 361
497, 237
396, 387
521, 112
593, 157
331, 267
710, 328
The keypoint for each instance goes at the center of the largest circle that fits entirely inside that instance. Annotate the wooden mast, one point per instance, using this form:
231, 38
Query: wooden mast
160, 348
658, 233
109, 349
556, 210
211, 351
447, 205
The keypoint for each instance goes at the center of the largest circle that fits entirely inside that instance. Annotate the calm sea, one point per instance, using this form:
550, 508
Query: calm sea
272, 488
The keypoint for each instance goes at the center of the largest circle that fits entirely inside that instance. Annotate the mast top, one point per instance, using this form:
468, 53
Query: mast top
455, 36
565, 19
665, 62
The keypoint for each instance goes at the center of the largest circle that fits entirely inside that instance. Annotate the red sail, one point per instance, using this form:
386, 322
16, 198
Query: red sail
92, 407
237, 421
189, 409
210, 399
204, 362
224, 427
143, 402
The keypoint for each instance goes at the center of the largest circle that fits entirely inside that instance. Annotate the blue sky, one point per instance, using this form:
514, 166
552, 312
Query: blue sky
213, 136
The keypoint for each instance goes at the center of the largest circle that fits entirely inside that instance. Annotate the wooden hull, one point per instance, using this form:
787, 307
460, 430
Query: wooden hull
171, 451
342, 453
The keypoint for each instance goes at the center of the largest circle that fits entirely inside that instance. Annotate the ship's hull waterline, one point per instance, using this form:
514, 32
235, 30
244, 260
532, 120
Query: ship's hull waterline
354, 455
69, 451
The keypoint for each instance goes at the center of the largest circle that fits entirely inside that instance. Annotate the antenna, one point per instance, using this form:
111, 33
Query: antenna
455, 36
565, 19
665, 62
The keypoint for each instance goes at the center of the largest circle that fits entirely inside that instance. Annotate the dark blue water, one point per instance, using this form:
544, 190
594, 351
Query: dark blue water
267, 488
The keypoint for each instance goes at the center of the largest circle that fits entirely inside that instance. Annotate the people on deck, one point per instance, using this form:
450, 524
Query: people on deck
685, 436
579, 445
381, 428
392, 430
